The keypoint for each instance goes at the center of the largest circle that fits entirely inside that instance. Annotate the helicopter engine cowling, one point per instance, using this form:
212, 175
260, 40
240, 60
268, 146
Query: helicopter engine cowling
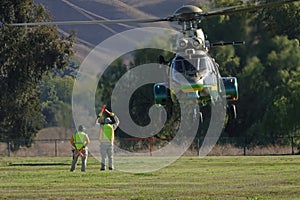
231, 88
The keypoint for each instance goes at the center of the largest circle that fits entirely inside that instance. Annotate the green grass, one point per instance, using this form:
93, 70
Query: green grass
223, 177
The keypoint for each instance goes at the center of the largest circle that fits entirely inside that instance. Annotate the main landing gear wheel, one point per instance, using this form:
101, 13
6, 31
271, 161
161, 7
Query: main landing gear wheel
200, 117
197, 114
232, 112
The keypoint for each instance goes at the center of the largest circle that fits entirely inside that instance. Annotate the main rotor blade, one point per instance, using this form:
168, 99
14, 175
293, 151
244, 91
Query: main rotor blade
124, 21
236, 9
228, 10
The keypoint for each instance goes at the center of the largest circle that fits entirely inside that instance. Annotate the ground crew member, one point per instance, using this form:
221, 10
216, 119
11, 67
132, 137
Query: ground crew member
106, 138
79, 141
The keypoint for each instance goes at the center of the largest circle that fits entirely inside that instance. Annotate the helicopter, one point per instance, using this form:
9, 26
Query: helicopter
191, 60
194, 63
205, 83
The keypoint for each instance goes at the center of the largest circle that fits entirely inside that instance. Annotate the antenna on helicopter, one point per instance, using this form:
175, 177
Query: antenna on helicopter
214, 44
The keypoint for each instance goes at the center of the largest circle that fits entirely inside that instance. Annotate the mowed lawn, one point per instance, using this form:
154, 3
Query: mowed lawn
211, 177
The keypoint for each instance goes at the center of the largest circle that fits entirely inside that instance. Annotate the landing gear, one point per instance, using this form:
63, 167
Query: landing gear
197, 114
231, 110
232, 116
200, 117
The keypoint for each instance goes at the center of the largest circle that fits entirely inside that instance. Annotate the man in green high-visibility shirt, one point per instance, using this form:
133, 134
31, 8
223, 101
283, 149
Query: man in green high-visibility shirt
79, 141
106, 138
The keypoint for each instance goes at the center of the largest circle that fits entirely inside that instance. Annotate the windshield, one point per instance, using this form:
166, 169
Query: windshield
193, 67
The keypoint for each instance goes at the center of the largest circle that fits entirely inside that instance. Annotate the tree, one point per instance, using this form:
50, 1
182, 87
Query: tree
283, 20
56, 93
57, 113
26, 55
267, 67
282, 70
269, 87
253, 95
107, 83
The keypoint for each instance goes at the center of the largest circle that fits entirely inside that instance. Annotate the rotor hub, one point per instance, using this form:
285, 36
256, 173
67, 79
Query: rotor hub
187, 13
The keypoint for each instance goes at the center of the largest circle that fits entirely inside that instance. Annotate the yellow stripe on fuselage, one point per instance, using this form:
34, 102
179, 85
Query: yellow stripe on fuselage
214, 88
197, 88
192, 88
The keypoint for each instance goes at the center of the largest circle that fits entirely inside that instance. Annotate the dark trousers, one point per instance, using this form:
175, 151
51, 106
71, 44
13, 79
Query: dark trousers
76, 154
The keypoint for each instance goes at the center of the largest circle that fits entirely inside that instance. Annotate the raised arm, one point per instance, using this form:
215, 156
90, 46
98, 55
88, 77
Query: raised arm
117, 122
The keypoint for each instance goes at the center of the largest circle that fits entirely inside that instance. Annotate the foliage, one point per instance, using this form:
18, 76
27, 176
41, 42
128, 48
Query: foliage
56, 94
267, 67
57, 113
107, 83
26, 55
284, 20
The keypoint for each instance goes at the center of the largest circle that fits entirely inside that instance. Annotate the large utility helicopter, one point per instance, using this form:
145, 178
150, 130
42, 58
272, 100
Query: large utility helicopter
191, 60
204, 82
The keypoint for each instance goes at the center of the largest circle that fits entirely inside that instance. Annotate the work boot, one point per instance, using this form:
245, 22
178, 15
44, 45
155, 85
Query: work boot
102, 167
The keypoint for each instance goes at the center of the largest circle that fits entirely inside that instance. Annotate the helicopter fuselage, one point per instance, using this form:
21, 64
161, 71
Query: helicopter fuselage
194, 76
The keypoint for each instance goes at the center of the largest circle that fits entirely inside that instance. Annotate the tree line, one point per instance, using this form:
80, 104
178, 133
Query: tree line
267, 67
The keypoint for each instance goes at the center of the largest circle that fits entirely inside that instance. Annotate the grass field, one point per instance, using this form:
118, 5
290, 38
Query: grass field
212, 177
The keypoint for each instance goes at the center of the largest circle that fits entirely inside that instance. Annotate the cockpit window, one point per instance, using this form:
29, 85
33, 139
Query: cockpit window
205, 64
191, 65
178, 66
196, 66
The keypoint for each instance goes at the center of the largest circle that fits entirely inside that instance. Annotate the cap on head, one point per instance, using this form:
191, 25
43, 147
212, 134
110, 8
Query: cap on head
81, 128
107, 120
